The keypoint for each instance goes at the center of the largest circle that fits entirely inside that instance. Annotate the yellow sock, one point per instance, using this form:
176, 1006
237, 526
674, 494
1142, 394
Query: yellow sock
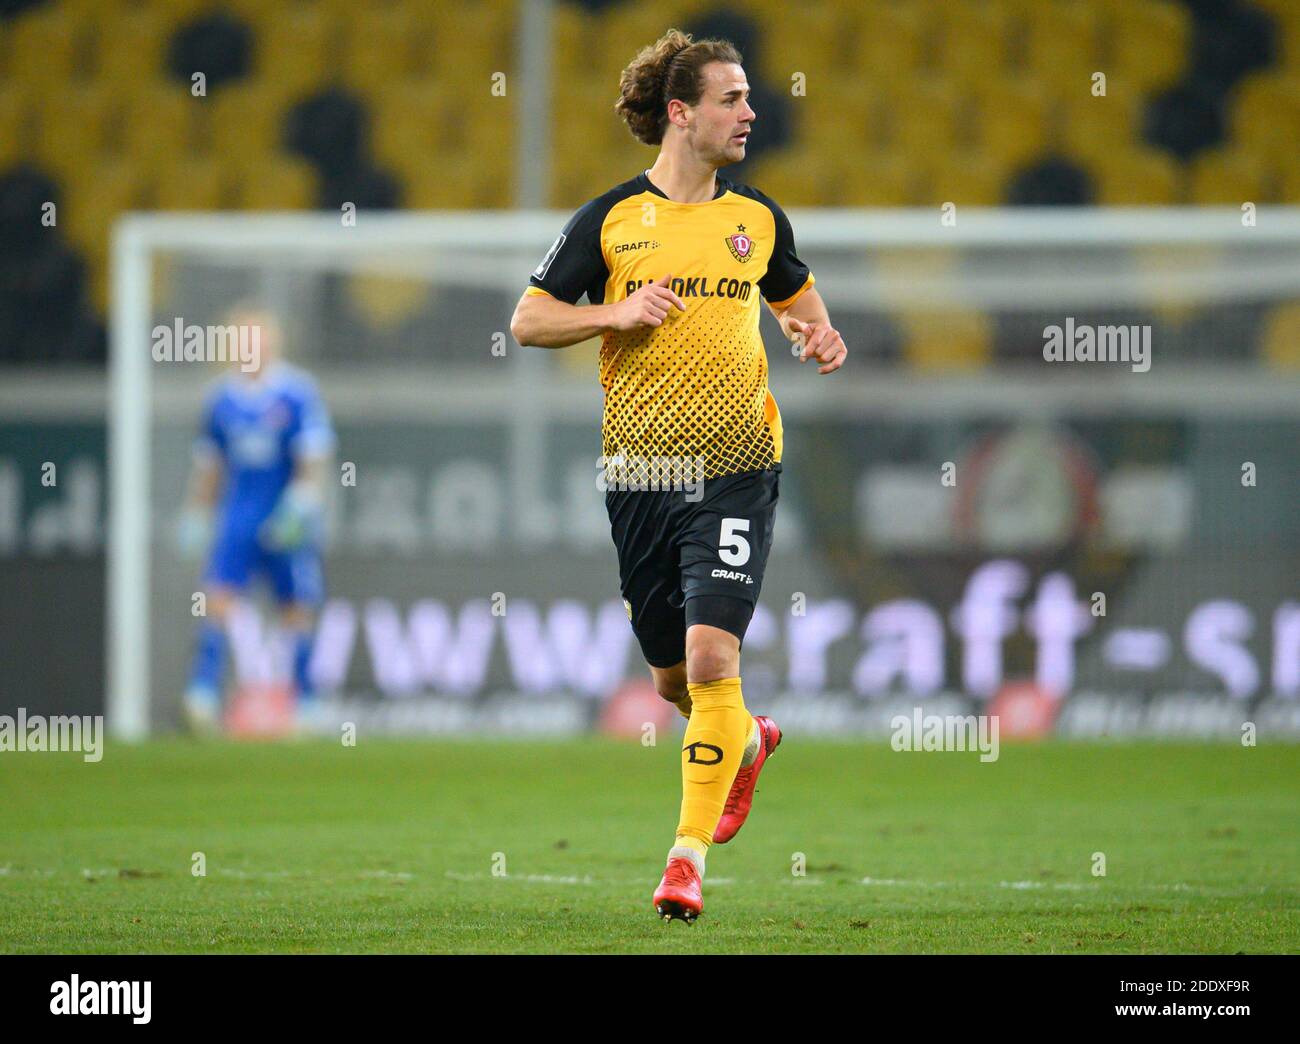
716, 735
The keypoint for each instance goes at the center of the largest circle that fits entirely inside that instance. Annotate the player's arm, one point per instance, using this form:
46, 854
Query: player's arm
544, 321
808, 324
548, 314
298, 516
207, 472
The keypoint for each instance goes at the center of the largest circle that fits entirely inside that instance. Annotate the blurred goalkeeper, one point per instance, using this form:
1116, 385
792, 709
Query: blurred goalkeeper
256, 501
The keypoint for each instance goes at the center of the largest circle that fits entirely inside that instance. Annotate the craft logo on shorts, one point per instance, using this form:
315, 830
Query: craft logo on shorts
741, 246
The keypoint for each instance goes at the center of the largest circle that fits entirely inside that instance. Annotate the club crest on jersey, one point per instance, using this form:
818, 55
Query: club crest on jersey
741, 246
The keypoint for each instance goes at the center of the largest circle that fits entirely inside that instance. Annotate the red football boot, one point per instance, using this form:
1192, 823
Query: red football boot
678, 895
741, 798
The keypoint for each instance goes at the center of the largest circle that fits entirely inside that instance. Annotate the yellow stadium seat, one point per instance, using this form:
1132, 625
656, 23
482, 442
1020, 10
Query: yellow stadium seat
876, 179
93, 206
890, 43
43, 47
73, 126
1265, 113
1134, 177
787, 176
129, 45
970, 179
271, 181
924, 115
1012, 119
1061, 45
949, 340
852, 117
159, 121
247, 116
1289, 181
1149, 43
1099, 126
430, 188
405, 124
15, 124
468, 41
975, 42
818, 40
295, 49
1281, 337
189, 183
1226, 176
376, 48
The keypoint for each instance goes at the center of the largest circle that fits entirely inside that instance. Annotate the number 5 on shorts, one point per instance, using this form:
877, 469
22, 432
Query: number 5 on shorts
732, 547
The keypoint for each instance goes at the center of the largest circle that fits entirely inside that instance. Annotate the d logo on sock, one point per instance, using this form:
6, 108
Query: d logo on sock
693, 749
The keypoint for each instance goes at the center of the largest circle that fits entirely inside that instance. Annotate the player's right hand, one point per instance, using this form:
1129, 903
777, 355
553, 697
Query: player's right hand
649, 306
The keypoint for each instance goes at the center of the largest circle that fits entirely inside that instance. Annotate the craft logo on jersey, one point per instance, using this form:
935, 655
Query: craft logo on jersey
741, 246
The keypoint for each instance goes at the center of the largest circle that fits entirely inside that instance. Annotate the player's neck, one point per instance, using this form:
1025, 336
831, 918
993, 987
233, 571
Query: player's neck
682, 179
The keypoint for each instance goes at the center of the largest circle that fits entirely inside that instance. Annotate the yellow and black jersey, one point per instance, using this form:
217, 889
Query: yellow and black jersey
695, 388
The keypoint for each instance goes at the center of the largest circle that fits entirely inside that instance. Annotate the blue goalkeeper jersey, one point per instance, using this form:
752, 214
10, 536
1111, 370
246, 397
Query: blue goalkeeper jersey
257, 429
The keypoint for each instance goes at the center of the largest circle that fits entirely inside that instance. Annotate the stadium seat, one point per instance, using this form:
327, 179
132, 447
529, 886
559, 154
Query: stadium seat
1134, 177
188, 183
1061, 45
294, 49
925, 115
1280, 345
942, 341
406, 124
87, 218
246, 117
881, 178
73, 126
376, 48
44, 47
966, 178
787, 176
129, 47
271, 181
1265, 114
1226, 176
1011, 119
1150, 43
974, 41
1098, 126
159, 120
15, 112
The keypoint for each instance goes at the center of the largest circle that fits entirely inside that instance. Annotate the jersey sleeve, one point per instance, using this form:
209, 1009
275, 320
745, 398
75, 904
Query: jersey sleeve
210, 441
314, 435
575, 264
786, 277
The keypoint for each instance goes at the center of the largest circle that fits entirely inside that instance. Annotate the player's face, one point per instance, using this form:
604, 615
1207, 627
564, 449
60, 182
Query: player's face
720, 122
262, 332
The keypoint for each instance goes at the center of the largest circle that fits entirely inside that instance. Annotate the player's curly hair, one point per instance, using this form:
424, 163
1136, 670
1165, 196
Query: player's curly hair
668, 68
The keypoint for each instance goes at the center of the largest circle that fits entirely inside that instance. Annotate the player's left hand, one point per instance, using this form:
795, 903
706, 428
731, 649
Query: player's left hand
294, 523
820, 341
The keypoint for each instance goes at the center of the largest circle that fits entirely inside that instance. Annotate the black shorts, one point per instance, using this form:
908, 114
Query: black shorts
692, 558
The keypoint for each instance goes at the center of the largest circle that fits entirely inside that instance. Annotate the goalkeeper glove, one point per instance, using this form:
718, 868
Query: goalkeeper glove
295, 521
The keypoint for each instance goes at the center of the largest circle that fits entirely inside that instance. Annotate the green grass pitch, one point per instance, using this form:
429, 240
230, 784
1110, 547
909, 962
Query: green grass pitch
390, 846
